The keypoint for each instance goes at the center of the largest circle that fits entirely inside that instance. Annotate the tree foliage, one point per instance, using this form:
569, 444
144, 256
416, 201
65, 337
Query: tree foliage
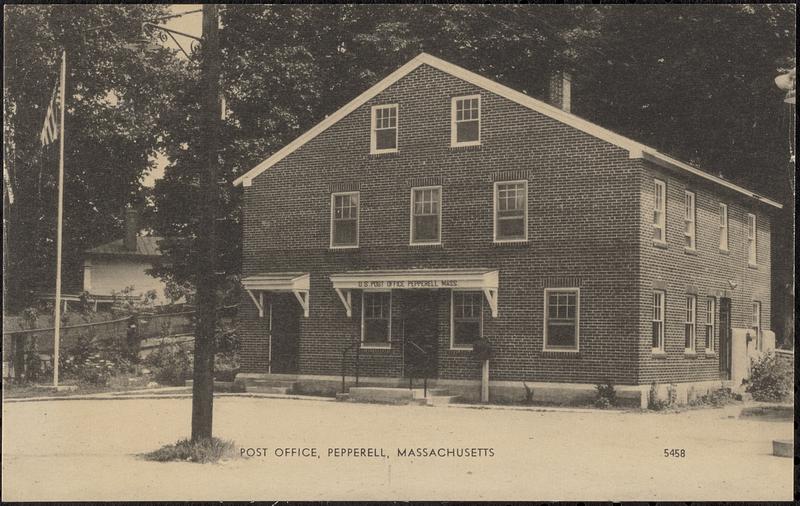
115, 94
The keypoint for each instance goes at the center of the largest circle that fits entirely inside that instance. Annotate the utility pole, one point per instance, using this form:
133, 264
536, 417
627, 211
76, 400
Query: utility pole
204, 346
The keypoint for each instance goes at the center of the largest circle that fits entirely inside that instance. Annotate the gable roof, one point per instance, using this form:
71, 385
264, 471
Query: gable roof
146, 246
635, 149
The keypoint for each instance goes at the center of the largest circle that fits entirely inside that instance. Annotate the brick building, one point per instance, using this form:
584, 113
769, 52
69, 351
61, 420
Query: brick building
439, 207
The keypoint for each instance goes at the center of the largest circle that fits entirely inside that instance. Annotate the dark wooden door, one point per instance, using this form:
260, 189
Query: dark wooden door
286, 313
725, 339
421, 333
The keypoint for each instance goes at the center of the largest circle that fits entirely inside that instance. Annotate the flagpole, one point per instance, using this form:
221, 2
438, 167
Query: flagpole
57, 322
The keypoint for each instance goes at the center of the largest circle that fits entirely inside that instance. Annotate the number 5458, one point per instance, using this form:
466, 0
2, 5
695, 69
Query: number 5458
675, 452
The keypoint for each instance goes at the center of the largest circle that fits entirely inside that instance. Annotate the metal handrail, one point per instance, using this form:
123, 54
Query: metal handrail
426, 360
356, 343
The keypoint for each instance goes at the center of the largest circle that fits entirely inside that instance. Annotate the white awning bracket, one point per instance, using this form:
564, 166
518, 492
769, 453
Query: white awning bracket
299, 283
345, 296
491, 298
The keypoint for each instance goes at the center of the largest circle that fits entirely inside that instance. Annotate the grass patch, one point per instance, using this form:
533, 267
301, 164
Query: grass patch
203, 452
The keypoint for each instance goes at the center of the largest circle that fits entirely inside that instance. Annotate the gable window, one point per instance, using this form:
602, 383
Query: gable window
723, 227
384, 129
511, 211
344, 220
467, 324
562, 316
465, 121
756, 325
658, 320
690, 332
751, 239
376, 319
691, 221
426, 215
711, 319
659, 212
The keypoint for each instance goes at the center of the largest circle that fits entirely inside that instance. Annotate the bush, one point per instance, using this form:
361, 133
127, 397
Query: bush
170, 364
528, 393
606, 395
657, 404
207, 450
771, 379
226, 366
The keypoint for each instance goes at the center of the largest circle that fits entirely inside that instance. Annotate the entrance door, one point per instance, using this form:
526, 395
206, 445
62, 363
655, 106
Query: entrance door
725, 339
286, 313
421, 333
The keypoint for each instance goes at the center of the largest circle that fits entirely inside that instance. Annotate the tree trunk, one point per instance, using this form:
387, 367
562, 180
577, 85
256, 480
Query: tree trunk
203, 387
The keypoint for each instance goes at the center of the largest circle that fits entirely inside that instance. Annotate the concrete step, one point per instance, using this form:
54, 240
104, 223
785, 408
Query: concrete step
381, 394
262, 389
271, 383
441, 400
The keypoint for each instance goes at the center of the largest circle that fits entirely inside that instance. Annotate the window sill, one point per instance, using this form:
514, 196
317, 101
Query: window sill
724, 251
384, 154
510, 243
460, 348
340, 248
690, 251
660, 244
561, 350
466, 147
376, 346
436, 245
661, 355
752, 266
710, 353
689, 354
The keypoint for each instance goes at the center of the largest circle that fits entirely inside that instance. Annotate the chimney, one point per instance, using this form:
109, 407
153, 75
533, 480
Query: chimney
561, 90
131, 228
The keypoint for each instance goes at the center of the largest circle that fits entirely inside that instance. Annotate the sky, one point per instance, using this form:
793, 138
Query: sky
192, 25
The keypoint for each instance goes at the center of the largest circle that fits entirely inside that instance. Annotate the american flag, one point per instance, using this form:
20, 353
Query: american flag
50, 129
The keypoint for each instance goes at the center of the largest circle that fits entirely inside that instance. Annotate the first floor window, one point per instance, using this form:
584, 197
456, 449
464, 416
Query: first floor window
467, 318
426, 213
757, 324
711, 318
376, 318
659, 211
561, 319
511, 211
690, 332
344, 219
658, 320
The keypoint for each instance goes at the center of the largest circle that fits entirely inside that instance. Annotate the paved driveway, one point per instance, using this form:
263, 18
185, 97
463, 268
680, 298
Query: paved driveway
85, 449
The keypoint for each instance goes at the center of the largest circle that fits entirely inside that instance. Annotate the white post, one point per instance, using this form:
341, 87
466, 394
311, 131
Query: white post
269, 363
57, 322
485, 382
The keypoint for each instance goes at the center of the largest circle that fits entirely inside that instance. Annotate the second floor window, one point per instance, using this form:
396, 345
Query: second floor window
465, 123
511, 211
723, 227
691, 221
690, 333
752, 256
344, 220
426, 215
384, 129
659, 211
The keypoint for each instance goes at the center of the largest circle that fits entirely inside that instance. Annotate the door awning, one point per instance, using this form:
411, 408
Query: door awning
298, 283
485, 280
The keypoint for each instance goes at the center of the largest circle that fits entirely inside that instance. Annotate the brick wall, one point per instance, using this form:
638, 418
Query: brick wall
708, 270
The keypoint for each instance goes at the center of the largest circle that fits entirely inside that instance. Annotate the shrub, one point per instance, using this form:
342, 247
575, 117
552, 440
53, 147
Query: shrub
171, 364
226, 366
207, 450
654, 402
528, 393
606, 395
770, 379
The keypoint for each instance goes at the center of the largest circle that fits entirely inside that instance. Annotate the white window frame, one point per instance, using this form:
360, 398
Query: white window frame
662, 321
690, 310
358, 219
661, 222
411, 240
453, 130
724, 228
373, 142
494, 218
711, 324
376, 346
563, 349
453, 345
755, 324
690, 218
752, 245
